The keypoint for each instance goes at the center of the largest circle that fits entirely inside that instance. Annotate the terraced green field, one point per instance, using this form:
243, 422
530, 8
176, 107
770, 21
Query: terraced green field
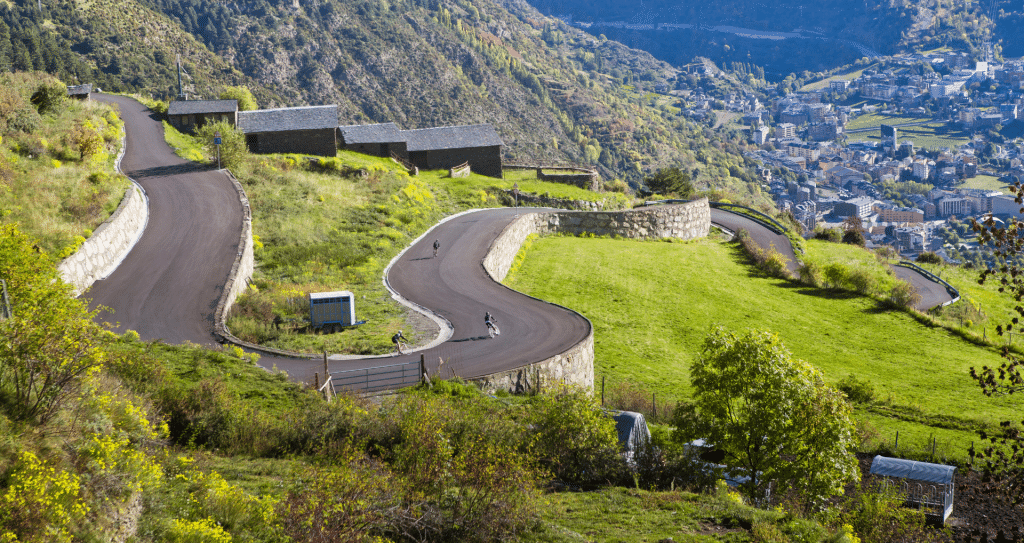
652, 304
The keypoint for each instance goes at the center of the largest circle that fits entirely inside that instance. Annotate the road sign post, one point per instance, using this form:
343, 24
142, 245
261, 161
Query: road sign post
515, 192
216, 143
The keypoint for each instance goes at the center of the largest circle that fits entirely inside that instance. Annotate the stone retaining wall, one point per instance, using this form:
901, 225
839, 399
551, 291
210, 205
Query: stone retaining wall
108, 244
574, 367
690, 220
241, 270
100, 255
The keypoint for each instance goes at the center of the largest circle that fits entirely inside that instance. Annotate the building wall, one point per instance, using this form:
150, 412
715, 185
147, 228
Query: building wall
379, 149
482, 160
320, 142
181, 122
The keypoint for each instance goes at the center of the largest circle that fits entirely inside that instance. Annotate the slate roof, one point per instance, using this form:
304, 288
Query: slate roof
78, 90
371, 133
288, 118
193, 107
452, 137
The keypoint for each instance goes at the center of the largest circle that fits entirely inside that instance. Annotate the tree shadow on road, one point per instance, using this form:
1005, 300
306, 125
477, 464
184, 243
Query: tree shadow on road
168, 171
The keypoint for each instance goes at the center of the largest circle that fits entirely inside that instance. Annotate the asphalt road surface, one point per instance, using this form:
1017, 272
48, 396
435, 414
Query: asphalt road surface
456, 287
168, 286
764, 237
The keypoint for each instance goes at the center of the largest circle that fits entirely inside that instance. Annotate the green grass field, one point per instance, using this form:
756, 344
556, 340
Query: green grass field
875, 120
986, 182
653, 303
928, 136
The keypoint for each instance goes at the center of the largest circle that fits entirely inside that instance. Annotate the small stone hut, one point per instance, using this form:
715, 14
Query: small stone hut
445, 147
80, 92
373, 139
310, 130
191, 115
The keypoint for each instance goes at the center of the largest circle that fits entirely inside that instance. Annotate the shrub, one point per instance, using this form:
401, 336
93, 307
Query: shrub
856, 390
810, 273
904, 295
829, 234
50, 97
574, 439
854, 237
232, 148
928, 257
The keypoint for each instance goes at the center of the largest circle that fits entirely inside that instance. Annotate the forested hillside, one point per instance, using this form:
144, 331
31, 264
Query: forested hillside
554, 95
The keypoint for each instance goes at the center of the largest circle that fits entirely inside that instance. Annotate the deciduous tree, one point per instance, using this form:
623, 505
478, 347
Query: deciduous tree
51, 343
1002, 457
772, 415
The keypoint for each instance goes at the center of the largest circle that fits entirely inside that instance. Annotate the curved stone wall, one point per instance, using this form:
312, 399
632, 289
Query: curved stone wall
100, 255
689, 220
241, 270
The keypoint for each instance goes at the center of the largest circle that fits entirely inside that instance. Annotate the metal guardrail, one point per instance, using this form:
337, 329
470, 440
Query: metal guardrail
953, 292
759, 217
375, 379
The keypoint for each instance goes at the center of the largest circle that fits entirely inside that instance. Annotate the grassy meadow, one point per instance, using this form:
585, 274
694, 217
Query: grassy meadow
985, 182
57, 178
652, 303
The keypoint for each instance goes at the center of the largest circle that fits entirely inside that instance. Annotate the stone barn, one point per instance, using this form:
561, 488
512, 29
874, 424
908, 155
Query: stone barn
191, 115
373, 139
448, 146
80, 92
310, 130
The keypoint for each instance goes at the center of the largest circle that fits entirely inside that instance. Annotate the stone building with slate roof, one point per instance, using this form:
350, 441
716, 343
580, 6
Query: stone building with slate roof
439, 148
373, 139
80, 92
448, 146
191, 115
308, 130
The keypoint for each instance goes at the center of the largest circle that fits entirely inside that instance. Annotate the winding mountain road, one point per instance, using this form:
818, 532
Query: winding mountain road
168, 286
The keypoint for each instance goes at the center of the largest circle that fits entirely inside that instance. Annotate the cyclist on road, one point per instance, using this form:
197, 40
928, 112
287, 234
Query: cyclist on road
492, 324
397, 340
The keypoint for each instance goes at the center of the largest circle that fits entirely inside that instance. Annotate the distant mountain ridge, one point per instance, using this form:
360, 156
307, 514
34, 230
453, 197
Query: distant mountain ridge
555, 95
888, 26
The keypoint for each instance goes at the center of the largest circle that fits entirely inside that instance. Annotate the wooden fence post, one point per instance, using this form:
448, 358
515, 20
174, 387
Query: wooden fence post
654, 402
327, 377
423, 366
316, 381
602, 390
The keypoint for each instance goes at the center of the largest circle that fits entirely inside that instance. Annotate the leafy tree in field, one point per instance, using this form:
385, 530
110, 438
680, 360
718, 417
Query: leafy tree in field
671, 181
50, 344
246, 101
772, 415
1002, 457
854, 237
232, 147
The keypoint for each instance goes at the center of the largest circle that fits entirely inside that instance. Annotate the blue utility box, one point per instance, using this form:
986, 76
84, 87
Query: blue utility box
332, 308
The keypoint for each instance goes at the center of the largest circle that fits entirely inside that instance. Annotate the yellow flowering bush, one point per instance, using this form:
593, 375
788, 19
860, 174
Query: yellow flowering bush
197, 531
40, 503
117, 468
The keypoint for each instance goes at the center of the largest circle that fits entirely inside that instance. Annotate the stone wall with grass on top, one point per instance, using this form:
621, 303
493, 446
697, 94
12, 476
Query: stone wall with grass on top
109, 244
691, 220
